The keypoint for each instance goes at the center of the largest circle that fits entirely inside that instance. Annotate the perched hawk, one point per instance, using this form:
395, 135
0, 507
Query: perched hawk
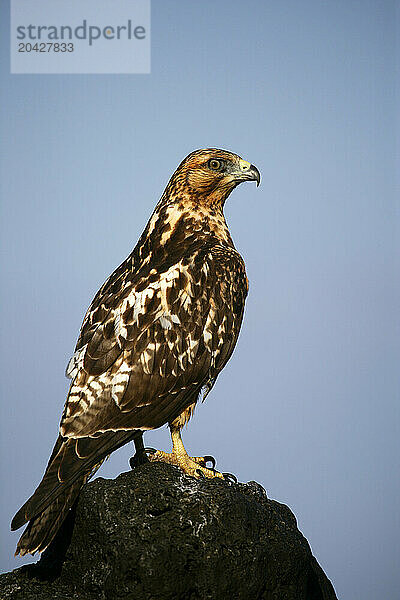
153, 341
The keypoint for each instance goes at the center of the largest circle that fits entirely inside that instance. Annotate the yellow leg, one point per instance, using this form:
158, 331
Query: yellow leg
194, 466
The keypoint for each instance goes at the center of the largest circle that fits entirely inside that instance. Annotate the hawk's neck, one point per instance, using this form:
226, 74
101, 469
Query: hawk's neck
183, 223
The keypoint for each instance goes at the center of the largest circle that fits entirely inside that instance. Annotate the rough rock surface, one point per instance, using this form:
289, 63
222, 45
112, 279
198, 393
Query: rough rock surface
155, 534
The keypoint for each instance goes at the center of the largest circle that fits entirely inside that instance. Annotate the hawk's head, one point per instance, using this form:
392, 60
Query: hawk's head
209, 176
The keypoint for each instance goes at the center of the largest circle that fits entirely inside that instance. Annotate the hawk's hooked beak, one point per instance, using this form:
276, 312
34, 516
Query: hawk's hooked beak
248, 172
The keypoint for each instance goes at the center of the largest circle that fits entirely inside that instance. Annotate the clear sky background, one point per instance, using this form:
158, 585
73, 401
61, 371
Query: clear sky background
309, 404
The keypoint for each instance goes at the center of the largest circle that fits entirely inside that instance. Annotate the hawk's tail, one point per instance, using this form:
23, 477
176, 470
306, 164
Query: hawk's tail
42, 529
71, 464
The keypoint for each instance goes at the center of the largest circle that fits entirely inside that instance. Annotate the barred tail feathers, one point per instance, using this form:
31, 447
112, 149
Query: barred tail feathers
43, 528
72, 463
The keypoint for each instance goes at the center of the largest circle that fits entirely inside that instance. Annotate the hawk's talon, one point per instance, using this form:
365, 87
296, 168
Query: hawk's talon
194, 467
210, 459
229, 477
203, 460
149, 450
140, 457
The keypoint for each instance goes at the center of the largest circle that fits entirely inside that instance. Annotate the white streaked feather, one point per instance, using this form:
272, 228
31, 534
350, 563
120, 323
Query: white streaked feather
75, 363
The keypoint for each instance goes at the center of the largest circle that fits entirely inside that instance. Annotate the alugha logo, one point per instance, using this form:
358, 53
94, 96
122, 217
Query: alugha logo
81, 32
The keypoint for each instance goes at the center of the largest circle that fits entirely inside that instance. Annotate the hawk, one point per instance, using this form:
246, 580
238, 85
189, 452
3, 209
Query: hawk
153, 341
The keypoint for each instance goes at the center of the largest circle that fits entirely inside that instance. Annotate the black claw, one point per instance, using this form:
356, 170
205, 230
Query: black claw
200, 473
140, 458
212, 460
230, 477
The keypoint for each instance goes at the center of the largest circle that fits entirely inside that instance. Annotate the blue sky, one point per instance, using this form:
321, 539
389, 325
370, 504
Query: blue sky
309, 404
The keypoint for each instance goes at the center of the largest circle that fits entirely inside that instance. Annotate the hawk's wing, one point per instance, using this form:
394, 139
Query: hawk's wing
148, 346
166, 337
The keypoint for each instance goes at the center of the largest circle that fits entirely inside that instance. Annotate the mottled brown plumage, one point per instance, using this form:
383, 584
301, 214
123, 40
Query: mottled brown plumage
155, 337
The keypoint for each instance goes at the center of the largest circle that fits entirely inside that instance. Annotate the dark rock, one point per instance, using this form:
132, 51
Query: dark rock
156, 534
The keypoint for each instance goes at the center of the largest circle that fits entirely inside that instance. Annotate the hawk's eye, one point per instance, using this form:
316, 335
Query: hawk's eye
215, 164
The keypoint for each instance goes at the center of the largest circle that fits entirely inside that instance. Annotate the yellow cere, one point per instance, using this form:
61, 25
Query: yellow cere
244, 165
